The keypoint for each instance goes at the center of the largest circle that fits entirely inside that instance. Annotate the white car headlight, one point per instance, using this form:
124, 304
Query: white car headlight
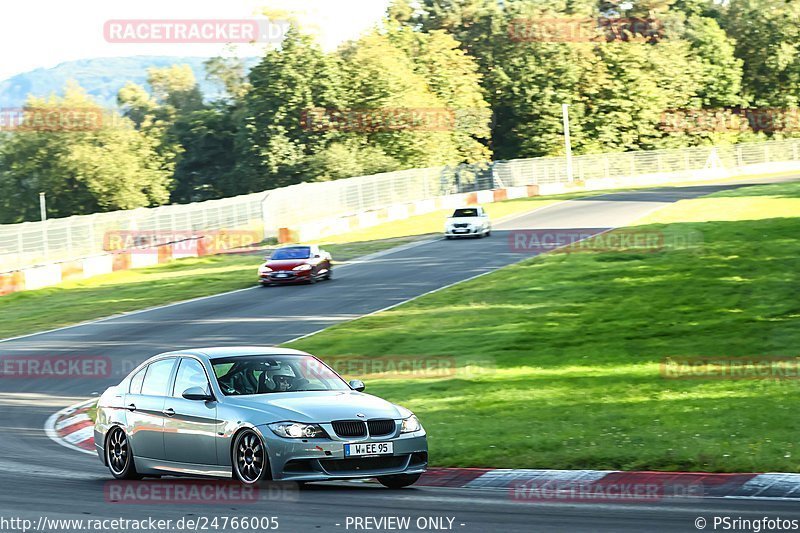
302, 267
264, 270
297, 430
410, 425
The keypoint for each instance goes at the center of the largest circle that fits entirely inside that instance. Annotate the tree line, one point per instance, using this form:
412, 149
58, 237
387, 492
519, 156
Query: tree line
437, 82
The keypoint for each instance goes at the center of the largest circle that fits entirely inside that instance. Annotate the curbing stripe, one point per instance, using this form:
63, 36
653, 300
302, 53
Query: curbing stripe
65, 423
82, 435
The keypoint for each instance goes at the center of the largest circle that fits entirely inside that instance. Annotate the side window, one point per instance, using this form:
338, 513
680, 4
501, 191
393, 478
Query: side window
136, 382
157, 378
190, 374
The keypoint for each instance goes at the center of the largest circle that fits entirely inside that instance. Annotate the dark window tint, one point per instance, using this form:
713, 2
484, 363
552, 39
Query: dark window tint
465, 213
297, 252
190, 374
136, 382
157, 377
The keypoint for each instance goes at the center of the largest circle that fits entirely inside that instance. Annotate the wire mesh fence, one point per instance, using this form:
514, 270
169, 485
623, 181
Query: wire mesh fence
36, 243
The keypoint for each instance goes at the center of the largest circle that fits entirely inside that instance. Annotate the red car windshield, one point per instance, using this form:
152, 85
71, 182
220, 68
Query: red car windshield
299, 252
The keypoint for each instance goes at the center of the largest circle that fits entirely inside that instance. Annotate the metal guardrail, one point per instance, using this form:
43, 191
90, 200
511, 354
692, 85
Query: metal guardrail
55, 240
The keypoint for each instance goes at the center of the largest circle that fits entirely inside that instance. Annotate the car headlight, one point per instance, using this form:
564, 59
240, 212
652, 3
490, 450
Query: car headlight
410, 425
264, 270
302, 267
297, 430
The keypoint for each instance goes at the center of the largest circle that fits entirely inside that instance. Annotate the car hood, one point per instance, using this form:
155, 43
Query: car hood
285, 264
314, 406
463, 219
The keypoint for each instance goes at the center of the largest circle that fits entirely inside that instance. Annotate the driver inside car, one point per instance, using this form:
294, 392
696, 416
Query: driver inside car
283, 380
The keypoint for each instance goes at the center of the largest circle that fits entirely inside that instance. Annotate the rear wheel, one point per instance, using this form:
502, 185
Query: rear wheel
119, 456
250, 462
329, 274
398, 481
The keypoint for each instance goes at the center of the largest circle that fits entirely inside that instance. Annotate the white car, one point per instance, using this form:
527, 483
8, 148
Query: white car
468, 222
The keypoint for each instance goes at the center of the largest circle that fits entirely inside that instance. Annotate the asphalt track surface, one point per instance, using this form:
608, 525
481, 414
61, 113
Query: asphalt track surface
39, 478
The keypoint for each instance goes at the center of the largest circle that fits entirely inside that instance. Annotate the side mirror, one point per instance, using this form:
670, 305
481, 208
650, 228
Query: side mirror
196, 393
317, 256
357, 385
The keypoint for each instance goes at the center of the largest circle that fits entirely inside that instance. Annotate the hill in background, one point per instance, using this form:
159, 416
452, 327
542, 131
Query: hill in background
101, 77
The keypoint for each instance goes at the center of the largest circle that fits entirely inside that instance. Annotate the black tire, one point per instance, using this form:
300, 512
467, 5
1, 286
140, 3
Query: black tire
265, 284
489, 233
448, 237
398, 481
312, 278
119, 456
248, 444
329, 274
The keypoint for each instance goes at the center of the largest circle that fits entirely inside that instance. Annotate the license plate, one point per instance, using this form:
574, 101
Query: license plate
281, 275
460, 230
368, 448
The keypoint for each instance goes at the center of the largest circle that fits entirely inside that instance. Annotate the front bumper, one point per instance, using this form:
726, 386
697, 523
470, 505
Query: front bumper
285, 276
463, 232
323, 459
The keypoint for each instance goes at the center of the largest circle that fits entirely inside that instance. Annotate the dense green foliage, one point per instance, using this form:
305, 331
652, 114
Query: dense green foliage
299, 114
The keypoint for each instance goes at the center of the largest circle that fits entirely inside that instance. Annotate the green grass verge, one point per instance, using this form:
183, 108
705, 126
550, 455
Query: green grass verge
572, 345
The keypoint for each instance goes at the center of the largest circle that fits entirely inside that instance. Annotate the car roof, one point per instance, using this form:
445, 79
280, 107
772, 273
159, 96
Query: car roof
236, 351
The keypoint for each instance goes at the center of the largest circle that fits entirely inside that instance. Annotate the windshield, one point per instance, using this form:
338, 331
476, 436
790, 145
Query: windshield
265, 374
465, 213
296, 252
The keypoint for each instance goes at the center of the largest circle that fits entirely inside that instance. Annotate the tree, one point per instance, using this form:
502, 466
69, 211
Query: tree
272, 145
101, 164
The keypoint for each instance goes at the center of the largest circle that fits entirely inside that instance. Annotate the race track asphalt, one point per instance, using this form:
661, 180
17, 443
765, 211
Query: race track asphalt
40, 478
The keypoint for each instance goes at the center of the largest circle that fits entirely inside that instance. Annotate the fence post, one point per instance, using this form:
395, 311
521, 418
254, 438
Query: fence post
20, 248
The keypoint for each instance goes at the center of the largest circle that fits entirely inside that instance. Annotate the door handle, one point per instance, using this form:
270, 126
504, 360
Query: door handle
131, 407
169, 412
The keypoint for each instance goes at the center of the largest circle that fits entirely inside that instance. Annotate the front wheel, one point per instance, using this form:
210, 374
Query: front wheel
250, 461
119, 456
398, 481
329, 274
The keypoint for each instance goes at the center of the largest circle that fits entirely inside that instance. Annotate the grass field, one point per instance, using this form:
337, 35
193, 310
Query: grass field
570, 347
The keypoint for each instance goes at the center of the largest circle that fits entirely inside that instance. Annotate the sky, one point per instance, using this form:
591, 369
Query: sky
44, 33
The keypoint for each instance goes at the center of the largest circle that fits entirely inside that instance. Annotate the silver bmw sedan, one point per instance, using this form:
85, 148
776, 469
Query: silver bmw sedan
254, 414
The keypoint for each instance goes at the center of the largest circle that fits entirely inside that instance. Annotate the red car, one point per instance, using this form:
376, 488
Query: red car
295, 264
